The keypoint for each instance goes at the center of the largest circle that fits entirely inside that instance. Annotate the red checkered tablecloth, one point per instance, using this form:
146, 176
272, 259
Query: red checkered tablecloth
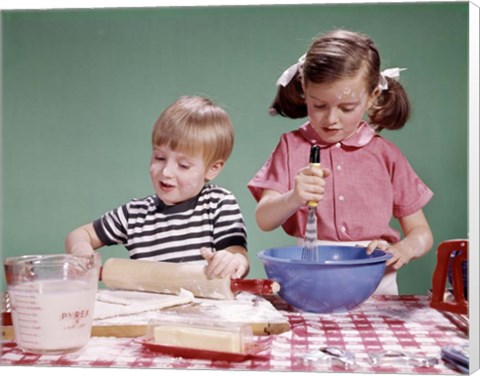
404, 323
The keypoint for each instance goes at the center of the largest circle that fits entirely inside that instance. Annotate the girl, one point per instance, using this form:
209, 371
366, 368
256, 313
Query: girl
364, 178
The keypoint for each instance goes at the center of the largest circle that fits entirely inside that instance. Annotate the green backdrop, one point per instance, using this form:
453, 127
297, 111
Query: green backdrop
82, 89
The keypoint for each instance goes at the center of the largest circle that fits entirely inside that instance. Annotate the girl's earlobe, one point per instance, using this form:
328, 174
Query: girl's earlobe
373, 97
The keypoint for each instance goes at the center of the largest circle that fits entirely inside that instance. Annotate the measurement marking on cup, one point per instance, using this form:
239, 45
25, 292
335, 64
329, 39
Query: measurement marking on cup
20, 320
30, 342
25, 301
51, 312
41, 315
25, 335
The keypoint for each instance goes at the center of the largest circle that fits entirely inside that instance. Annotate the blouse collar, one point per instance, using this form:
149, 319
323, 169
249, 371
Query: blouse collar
362, 136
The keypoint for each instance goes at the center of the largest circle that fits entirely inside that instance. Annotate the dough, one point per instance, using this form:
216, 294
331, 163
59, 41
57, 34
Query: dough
123, 303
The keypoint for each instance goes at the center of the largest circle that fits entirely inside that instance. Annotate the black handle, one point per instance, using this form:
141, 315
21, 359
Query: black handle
315, 154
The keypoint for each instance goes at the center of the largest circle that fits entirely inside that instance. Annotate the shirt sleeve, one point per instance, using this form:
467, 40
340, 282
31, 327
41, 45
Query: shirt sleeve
229, 228
410, 192
111, 228
274, 174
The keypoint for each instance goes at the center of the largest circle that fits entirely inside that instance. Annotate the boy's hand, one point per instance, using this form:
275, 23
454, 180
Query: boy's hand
82, 249
222, 264
83, 241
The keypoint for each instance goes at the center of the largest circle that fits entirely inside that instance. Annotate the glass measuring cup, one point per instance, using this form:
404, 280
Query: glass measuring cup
52, 299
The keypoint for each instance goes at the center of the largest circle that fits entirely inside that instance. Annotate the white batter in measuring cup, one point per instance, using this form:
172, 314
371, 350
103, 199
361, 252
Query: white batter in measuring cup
52, 299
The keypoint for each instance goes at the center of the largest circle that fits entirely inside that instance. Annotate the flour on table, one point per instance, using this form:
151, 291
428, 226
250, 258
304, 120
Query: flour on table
118, 303
245, 308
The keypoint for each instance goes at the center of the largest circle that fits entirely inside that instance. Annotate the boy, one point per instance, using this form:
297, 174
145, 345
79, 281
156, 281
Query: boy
187, 219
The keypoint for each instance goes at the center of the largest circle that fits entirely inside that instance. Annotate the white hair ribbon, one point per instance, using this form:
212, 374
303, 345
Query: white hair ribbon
287, 76
391, 73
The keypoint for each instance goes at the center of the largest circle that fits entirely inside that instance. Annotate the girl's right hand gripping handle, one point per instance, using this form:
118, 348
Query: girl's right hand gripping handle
315, 162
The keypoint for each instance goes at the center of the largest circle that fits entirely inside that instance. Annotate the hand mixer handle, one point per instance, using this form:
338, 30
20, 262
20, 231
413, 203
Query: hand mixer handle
314, 155
315, 162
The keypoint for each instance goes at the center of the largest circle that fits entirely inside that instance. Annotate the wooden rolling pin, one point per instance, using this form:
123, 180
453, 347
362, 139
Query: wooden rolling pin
169, 278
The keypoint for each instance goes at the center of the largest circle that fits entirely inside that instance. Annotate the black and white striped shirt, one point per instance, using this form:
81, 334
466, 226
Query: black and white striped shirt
149, 229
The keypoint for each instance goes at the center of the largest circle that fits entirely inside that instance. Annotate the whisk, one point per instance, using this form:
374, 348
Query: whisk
309, 252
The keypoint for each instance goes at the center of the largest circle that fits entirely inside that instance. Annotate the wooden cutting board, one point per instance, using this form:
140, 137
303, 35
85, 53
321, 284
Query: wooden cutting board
246, 308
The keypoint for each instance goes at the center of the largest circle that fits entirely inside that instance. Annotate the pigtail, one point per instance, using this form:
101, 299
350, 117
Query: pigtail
391, 109
289, 101
338, 55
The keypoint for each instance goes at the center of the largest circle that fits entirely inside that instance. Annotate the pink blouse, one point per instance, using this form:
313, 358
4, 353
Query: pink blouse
371, 181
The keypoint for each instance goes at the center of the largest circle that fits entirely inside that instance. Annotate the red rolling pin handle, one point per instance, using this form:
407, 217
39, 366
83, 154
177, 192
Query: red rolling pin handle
6, 319
255, 286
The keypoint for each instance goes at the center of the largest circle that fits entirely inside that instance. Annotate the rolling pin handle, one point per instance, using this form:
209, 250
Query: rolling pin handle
255, 286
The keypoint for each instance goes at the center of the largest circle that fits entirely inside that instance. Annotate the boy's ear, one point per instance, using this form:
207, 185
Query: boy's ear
214, 169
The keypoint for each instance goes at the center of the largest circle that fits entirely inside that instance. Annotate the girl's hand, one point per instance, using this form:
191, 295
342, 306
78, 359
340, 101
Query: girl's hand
417, 241
401, 255
274, 208
310, 184
223, 263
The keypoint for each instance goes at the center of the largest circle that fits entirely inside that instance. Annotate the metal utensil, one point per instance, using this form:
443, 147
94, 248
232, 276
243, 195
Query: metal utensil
310, 248
457, 357
330, 356
399, 357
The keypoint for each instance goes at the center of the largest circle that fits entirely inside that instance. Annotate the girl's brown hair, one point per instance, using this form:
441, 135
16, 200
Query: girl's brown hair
338, 55
195, 125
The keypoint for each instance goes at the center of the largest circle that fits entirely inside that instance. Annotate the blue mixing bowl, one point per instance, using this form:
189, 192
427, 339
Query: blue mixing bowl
341, 279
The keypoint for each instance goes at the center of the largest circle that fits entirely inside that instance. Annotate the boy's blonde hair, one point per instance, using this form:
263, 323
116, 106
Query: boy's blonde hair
195, 125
